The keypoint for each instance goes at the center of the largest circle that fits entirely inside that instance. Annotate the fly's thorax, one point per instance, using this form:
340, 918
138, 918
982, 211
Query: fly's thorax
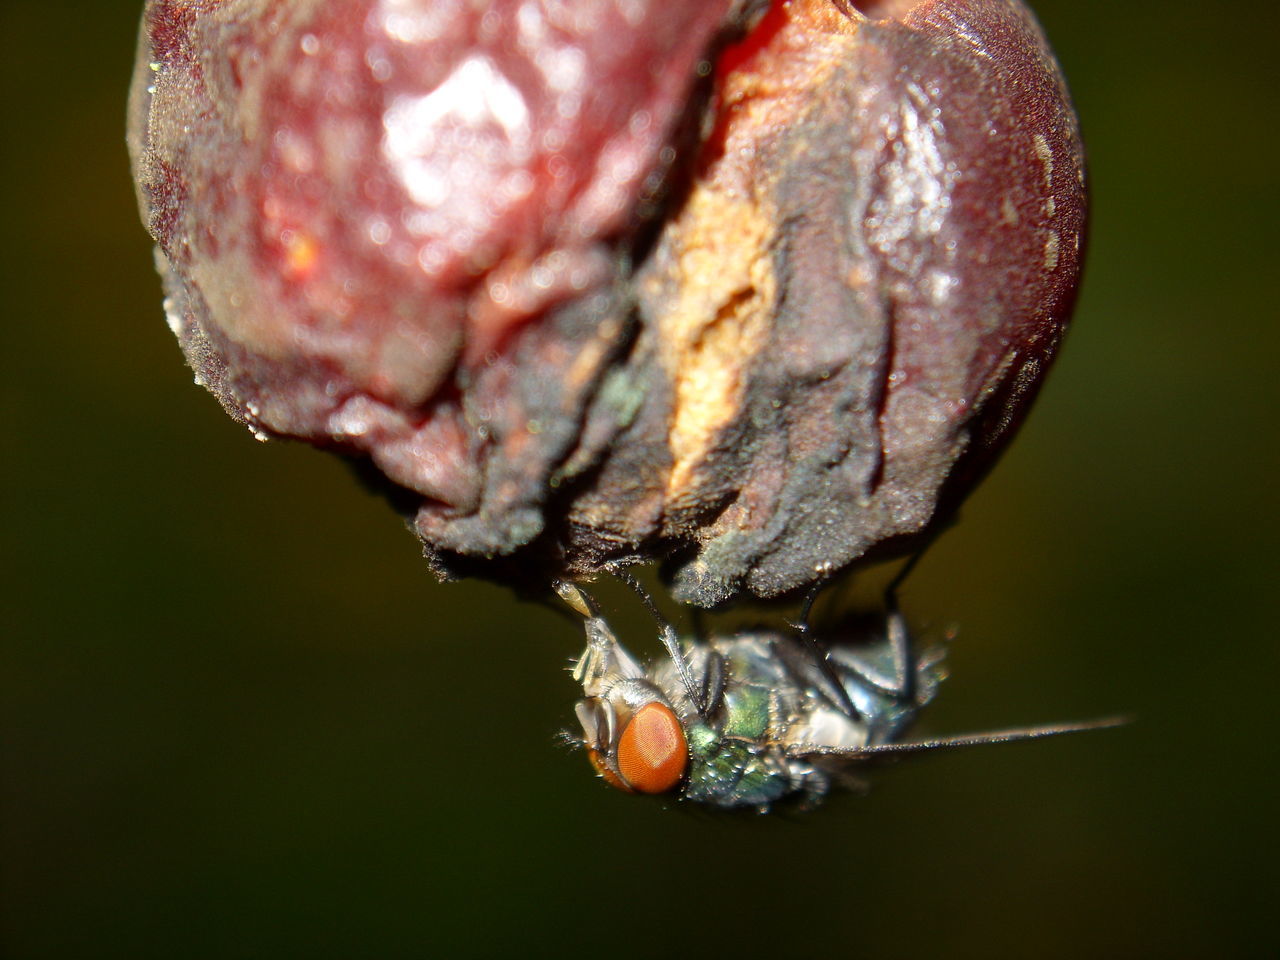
738, 752
727, 771
773, 692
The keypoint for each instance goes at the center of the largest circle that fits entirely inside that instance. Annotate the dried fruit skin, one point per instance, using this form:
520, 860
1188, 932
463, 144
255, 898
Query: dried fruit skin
583, 311
864, 286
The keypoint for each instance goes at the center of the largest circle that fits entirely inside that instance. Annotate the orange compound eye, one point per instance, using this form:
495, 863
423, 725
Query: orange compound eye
602, 768
652, 751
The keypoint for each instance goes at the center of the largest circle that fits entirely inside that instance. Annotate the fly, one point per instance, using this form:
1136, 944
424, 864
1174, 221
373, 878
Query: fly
762, 716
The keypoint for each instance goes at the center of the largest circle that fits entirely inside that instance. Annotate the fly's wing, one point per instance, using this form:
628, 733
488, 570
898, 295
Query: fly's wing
946, 743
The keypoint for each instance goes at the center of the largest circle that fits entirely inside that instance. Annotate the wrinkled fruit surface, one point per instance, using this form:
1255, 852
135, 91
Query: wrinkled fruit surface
754, 288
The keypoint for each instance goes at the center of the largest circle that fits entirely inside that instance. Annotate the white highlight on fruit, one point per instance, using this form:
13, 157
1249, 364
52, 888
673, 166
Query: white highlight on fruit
431, 140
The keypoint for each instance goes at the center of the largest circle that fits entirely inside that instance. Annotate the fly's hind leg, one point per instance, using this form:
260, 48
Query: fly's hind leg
889, 666
907, 668
820, 655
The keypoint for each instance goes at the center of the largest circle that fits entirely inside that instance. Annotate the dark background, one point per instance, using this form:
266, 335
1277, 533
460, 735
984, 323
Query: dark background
240, 719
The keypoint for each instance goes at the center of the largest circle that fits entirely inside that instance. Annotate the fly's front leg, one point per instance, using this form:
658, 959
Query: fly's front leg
698, 694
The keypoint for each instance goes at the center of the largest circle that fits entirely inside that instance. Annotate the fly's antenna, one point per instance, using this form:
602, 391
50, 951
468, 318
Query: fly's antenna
670, 641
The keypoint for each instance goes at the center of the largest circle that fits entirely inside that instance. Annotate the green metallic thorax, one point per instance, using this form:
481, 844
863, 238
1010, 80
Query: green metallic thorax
739, 765
733, 773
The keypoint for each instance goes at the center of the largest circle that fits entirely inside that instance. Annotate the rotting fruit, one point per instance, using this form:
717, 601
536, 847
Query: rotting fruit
758, 289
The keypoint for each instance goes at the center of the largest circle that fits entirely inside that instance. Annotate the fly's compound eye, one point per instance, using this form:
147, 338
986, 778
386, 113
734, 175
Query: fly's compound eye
601, 766
652, 751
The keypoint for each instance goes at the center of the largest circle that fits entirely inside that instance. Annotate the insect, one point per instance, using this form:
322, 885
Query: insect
762, 716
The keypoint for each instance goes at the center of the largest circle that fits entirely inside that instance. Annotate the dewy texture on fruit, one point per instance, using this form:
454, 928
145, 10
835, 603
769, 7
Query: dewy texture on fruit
754, 288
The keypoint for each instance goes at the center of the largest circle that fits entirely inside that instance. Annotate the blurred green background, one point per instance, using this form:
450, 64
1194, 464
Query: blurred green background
240, 719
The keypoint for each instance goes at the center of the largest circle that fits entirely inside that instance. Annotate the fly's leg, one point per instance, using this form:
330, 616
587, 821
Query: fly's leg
899, 637
906, 667
821, 656
698, 694
899, 680
901, 651
891, 667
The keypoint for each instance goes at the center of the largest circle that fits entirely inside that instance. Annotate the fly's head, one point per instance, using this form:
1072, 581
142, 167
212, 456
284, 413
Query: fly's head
644, 733
638, 749
632, 733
